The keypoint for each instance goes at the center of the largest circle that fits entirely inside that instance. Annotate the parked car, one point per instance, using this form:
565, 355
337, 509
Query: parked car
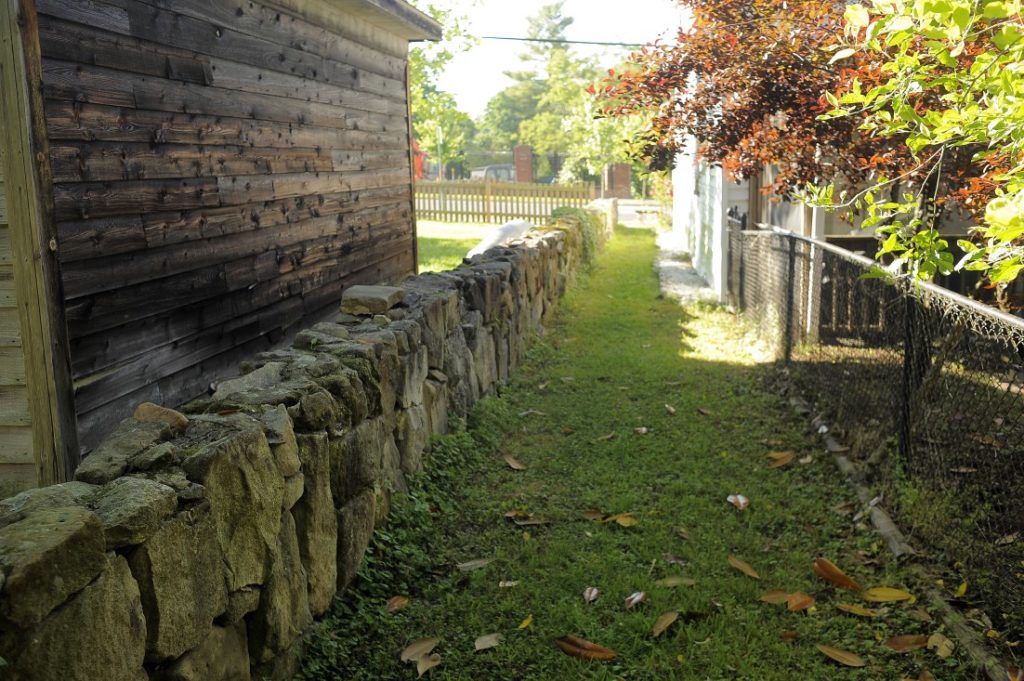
504, 172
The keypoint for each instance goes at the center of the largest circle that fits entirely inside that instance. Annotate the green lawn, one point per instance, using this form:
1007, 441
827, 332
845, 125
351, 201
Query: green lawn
612, 363
443, 244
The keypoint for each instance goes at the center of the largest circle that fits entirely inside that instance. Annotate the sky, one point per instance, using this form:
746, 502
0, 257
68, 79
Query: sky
475, 76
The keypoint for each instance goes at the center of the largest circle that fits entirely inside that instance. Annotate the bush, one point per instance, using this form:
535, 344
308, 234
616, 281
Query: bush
583, 224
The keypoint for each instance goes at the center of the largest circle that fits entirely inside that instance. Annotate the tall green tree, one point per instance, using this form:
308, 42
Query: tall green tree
442, 130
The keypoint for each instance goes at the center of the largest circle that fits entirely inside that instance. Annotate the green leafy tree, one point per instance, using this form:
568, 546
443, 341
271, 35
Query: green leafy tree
949, 79
442, 130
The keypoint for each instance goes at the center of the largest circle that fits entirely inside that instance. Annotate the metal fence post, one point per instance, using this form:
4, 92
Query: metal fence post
790, 296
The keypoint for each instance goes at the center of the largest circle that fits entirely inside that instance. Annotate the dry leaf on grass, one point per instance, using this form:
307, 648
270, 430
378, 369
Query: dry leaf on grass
418, 649
396, 603
789, 636
663, 623
471, 565
799, 601
739, 501
780, 459
634, 599
674, 581
508, 583
514, 463
583, 649
593, 514
942, 646
426, 663
525, 624
828, 571
1015, 674
703, 412
670, 409
744, 567
487, 641
858, 610
591, 593
605, 438
906, 642
642, 430
775, 597
524, 518
672, 559
530, 412
841, 656
568, 430
885, 594
622, 519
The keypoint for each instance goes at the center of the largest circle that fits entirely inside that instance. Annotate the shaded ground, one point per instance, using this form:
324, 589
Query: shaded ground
616, 358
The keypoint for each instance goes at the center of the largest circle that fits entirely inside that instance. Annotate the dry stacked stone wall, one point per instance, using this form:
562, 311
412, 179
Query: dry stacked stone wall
199, 545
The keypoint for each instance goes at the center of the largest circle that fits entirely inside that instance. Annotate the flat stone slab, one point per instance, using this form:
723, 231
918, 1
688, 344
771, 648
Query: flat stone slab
370, 300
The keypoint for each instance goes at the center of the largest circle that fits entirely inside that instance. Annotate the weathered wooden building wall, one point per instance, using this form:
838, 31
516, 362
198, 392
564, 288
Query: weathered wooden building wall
222, 169
17, 467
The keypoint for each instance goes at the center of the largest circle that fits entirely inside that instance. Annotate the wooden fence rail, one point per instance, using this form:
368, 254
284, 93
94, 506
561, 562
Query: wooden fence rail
496, 202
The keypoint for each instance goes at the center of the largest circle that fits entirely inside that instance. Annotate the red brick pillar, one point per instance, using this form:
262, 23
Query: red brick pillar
618, 181
522, 156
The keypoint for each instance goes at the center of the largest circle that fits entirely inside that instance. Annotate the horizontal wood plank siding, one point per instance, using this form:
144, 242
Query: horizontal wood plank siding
222, 170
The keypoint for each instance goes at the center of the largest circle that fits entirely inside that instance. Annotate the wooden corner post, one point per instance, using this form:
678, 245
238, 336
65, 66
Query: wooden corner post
39, 295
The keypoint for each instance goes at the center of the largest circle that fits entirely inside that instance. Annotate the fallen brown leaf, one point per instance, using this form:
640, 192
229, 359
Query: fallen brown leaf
799, 601
780, 459
841, 656
789, 636
906, 642
583, 649
942, 646
487, 641
775, 597
593, 514
426, 663
675, 580
885, 594
418, 649
396, 603
858, 610
828, 571
514, 463
663, 623
622, 519
744, 567
672, 559
634, 599
568, 430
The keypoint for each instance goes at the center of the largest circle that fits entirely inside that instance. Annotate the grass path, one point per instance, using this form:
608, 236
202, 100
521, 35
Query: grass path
615, 359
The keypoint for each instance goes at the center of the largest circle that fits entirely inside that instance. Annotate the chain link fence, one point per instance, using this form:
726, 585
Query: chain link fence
924, 386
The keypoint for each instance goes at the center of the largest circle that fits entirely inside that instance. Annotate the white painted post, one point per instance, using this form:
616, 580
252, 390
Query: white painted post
813, 319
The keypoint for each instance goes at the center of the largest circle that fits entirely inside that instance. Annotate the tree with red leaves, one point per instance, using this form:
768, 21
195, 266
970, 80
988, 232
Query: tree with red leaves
748, 80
